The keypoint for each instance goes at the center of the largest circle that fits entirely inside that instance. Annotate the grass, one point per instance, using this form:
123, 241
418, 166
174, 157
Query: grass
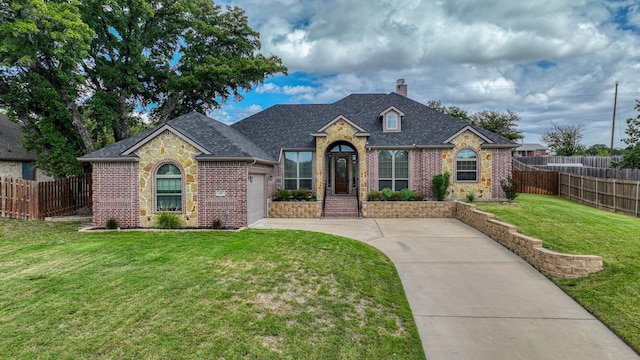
613, 294
254, 294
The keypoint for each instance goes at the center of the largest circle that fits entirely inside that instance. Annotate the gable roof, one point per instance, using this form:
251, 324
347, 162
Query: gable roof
11, 142
289, 126
215, 140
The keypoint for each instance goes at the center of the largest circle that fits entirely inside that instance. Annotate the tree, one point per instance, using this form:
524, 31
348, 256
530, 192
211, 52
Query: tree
100, 63
454, 111
597, 150
564, 140
504, 124
631, 154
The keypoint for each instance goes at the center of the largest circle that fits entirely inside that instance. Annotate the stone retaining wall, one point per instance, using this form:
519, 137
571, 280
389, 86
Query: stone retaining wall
530, 249
295, 209
408, 209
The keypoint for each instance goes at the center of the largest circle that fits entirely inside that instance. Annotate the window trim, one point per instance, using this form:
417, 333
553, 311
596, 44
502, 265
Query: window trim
398, 122
477, 165
393, 177
297, 178
171, 176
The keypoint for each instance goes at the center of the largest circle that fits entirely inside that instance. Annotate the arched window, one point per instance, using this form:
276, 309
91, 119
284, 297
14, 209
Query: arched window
168, 188
467, 165
393, 169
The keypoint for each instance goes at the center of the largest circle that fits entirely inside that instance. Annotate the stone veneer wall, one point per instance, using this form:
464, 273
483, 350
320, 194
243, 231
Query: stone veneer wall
482, 188
222, 193
168, 148
530, 249
408, 209
295, 209
340, 131
115, 193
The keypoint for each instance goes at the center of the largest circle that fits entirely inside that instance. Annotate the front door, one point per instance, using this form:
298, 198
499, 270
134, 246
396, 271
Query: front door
342, 174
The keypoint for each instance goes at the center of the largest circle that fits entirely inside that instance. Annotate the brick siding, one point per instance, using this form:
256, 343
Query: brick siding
230, 177
115, 193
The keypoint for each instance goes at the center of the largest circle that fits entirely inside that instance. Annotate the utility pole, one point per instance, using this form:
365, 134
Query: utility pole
613, 119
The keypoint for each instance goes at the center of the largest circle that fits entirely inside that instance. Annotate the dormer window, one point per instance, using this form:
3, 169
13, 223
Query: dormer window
391, 119
392, 122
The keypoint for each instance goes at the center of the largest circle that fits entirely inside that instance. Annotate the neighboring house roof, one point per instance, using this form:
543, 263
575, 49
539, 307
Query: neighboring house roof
530, 147
290, 126
214, 139
11, 142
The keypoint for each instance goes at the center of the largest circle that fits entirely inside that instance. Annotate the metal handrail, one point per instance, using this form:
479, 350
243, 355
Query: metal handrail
324, 199
358, 195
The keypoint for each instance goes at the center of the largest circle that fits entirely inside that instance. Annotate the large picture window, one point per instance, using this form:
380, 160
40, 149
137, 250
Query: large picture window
168, 188
297, 170
467, 166
393, 169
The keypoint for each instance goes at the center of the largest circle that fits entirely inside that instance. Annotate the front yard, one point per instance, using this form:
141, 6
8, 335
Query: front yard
256, 294
613, 294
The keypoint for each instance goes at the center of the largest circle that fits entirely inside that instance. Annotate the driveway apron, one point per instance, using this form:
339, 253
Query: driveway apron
471, 297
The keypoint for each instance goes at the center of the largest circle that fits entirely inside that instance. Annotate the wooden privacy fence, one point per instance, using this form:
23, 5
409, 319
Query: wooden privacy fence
537, 182
621, 196
24, 199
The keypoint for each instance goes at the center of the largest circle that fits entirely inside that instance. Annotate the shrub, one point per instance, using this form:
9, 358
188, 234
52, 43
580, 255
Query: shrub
418, 197
112, 224
301, 194
396, 196
386, 193
282, 195
407, 194
217, 224
167, 220
440, 185
375, 195
510, 187
471, 196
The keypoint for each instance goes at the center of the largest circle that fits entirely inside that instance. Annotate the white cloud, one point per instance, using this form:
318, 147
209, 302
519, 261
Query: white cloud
544, 59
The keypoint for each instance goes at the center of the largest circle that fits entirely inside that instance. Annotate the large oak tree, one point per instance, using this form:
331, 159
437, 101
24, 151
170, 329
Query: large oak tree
76, 74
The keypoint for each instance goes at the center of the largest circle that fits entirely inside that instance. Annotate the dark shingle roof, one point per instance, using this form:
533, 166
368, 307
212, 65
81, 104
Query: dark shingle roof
218, 139
263, 135
11, 142
290, 126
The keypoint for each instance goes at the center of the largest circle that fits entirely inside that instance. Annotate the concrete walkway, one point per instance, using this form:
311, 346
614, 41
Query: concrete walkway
472, 298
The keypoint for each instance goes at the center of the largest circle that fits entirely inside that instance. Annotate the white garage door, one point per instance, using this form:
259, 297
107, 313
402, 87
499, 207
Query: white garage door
256, 201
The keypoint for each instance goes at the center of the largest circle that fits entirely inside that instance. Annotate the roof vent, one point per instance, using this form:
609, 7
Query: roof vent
401, 87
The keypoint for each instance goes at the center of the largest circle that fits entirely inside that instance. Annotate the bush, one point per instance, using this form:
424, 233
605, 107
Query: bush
510, 187
167, 220
282, 195
418, 197
217, 224
375, 195
440, 185
386, 193
112, 224
471, 196
301, 194
396, 196
407, 194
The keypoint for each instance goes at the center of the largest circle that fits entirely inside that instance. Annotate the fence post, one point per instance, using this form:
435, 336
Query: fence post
597, 203
582, 189
615, 194
637, 197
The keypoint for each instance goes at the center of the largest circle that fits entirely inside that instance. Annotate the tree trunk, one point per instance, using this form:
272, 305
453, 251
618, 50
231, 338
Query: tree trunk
78, 124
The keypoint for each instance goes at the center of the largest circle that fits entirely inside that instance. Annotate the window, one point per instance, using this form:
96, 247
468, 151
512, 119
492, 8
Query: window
297, 170
28, 171
168, 188
393, 169
392, 121
466, 166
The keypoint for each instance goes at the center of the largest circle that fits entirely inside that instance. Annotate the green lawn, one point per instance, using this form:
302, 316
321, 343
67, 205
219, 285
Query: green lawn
254, 294
613, 294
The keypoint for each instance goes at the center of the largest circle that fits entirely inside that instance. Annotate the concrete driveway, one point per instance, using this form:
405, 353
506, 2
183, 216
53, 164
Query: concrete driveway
472, 298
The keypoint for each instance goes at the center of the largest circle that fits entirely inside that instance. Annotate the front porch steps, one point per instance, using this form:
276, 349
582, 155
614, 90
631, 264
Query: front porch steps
341, 207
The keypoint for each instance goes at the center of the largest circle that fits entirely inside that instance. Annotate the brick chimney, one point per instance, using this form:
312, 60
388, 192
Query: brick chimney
401, 87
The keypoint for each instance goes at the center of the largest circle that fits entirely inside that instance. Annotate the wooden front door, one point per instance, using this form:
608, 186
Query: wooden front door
342, 174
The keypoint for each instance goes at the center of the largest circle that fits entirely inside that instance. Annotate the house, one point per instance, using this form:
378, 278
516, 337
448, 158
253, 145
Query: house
530, 150
206, 170
15, 161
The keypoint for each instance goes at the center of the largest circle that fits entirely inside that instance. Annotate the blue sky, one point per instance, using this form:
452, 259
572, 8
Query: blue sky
547, 60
